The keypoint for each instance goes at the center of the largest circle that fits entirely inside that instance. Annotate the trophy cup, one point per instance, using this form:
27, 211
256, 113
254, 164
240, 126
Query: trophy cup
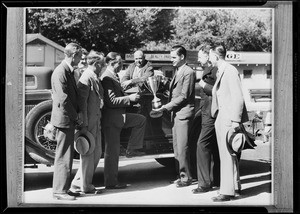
152, 84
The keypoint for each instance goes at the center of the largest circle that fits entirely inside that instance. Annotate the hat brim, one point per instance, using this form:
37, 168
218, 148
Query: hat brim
238, 138
90, 138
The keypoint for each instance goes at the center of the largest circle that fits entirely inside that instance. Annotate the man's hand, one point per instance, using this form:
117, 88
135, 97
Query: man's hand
126, 83
134, 97
79, 119
234, 126
161, 109
202, 83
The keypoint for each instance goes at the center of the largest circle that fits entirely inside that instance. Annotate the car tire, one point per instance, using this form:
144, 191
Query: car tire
36, 119
167, 162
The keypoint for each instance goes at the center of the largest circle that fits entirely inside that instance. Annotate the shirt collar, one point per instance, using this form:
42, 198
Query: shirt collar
113, 73
69, 65
180, 67
222, 66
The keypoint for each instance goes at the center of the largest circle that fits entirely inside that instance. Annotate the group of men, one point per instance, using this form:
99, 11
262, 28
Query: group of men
96, 100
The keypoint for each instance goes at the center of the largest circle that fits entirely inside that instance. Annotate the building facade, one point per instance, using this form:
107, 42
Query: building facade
42, 52
255, 69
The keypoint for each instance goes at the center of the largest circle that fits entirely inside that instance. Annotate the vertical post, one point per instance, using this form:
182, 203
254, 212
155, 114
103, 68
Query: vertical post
283, 107
14, 99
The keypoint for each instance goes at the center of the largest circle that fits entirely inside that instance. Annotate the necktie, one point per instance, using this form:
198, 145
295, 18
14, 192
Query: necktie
118, 78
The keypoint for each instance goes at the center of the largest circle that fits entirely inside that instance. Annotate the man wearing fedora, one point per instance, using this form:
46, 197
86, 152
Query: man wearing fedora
65, 116
115, 118
88, 139
228, 106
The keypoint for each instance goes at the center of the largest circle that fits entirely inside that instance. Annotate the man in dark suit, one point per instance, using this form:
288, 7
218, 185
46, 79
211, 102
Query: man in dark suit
137, 72
181, 104
115, 118
64, 117
208, 161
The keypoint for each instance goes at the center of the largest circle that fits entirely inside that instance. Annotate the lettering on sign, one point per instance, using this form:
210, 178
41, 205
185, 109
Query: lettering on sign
151, 57
230, 55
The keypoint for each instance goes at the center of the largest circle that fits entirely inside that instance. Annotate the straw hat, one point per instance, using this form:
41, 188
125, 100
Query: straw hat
84, 143
235, 143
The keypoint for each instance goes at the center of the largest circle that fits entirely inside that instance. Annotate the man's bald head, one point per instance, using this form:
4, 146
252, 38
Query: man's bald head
139, 58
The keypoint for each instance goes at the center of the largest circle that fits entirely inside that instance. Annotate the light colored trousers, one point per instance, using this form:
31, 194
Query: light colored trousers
88, 163
229, 177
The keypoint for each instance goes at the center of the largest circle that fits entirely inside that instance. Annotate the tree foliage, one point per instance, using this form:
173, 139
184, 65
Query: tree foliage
124, 30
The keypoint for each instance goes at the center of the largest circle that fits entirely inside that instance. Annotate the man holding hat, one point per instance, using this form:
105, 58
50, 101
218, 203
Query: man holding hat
228, 106
88, 139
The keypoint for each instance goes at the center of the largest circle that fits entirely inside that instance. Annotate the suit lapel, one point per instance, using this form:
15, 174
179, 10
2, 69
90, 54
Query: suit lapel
115, 80
180, 74
219, 76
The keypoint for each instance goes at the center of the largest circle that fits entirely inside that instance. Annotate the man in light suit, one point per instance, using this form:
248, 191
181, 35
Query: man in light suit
115, 119
137, 72
90, 102
65, 115
229, 108
181, 105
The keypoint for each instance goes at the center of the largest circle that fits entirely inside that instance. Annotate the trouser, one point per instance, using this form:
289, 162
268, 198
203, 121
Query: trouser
181, 150
228, 165
208, 161
63, 160
112, 145
89, 163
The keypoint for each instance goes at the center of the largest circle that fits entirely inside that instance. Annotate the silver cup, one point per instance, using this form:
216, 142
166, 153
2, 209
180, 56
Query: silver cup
152, 84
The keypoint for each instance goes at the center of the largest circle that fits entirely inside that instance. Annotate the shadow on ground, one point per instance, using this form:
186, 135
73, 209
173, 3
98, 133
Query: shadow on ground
150, 175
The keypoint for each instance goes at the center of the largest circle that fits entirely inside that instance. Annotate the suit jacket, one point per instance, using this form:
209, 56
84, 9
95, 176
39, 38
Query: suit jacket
228, 95
146, 71
209, 77
90, 97
182, 93
115, 101
64, 96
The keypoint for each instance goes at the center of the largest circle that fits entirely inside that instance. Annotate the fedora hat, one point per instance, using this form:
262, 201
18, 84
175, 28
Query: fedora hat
84, 143
235, 143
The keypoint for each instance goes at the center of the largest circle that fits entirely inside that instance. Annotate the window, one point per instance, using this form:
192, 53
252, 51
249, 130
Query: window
247, 74
30, 82
269, 74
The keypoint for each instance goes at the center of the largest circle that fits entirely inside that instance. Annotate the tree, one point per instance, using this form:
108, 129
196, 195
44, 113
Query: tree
101, 29
124, 30
240, 30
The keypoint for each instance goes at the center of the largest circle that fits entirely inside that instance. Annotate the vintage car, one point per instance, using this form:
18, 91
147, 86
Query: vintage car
38, 105
158, 135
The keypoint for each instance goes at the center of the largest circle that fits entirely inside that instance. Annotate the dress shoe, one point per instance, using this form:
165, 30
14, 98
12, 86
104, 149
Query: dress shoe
63, 196
238, 192
93, 192
175, 181
200, 190
117, 186
221, 198
75, 194
134, 153
183, 184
